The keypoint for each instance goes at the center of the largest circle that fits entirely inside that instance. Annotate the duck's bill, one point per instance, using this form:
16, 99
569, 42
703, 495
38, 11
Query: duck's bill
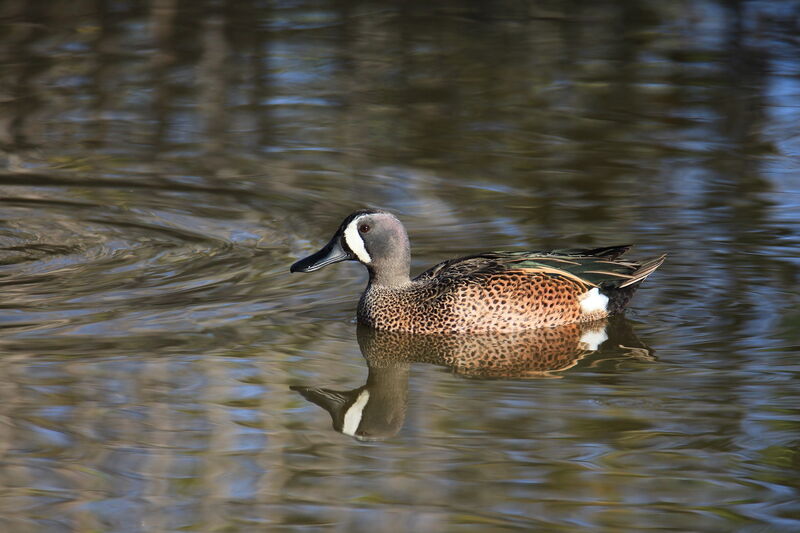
332, 253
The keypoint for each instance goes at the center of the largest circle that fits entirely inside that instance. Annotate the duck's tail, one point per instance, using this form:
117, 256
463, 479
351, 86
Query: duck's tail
622, 294
645, 269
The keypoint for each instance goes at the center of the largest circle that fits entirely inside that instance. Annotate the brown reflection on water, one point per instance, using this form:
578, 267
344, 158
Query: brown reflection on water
376, 410
134, 444
400, 81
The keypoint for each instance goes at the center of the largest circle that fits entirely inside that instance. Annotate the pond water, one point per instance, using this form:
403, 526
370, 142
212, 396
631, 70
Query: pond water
164, 163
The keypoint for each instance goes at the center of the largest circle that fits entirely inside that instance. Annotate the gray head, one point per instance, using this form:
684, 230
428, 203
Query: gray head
374, 238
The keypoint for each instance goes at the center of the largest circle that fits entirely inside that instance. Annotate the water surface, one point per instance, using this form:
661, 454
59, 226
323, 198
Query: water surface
163, 164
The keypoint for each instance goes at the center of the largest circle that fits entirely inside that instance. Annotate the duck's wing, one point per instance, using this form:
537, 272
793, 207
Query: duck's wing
592, 267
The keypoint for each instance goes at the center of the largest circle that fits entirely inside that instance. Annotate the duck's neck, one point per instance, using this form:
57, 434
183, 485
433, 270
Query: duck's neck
392, 265
390, 276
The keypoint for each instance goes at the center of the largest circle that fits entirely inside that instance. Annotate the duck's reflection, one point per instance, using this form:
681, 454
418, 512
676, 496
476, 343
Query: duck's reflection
376, 410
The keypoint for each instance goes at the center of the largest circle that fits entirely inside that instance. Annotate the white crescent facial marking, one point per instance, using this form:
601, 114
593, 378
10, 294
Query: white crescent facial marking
352, 418
593, 301
355, 242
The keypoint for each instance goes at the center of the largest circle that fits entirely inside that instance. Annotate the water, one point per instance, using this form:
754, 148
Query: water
164, 164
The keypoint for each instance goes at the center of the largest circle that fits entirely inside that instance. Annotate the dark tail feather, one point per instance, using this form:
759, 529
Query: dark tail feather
645, 269
609, 252
621, 295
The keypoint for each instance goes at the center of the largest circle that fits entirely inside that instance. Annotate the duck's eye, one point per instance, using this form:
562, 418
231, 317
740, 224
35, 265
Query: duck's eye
364, 228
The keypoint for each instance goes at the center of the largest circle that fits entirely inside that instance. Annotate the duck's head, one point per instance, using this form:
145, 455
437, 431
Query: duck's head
376, 239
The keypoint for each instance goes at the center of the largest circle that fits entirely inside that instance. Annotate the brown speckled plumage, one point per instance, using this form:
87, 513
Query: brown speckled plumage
518, 354
380, 404
491, 292
493, 302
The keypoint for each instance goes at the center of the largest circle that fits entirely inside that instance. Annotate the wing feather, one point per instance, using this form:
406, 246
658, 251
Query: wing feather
594, 267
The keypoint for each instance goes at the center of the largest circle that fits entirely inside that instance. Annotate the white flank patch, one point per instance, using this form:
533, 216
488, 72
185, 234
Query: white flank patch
355, 242
593, 339
352, 418
593, 301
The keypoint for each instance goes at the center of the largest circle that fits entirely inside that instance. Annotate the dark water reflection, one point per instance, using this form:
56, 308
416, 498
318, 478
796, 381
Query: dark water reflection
164, 163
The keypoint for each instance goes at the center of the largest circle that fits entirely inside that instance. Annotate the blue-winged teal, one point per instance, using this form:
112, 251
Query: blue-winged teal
489, 292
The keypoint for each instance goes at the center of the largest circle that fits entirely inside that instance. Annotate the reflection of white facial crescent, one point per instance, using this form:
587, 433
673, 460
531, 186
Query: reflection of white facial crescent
352, 418
355, 242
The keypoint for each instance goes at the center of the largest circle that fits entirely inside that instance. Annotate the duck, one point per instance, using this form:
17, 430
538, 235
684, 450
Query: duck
490, 292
